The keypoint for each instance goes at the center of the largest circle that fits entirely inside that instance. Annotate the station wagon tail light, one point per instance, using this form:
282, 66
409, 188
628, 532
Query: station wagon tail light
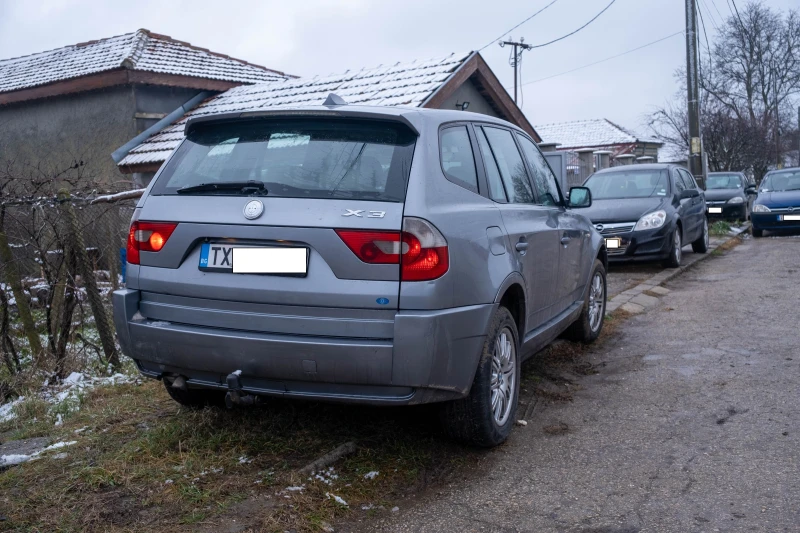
420, 249
147, 237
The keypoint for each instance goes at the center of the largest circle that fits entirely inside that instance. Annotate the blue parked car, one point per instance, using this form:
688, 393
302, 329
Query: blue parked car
777, 206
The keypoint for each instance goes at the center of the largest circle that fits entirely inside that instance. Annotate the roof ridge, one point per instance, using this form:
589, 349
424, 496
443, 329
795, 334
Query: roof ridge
78, 45
137, 49
167, 38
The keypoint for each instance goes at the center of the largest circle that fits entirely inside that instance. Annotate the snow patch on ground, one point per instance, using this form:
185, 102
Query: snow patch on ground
336, 498
371, 475
15, 459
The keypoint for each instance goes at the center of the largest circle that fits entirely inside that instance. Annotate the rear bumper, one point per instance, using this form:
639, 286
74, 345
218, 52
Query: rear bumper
431, 356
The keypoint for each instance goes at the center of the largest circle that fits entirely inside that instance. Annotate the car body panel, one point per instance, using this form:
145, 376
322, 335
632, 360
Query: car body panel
780, 203
351, 331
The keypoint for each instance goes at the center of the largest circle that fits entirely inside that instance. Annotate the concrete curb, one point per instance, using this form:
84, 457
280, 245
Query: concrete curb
635, 300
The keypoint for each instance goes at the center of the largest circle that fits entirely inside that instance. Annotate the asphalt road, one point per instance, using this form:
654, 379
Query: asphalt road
692, 423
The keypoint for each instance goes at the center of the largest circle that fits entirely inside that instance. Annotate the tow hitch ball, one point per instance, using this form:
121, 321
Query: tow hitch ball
235, 395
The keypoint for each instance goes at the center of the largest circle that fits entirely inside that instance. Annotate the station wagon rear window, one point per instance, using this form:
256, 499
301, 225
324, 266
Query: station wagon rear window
294, 158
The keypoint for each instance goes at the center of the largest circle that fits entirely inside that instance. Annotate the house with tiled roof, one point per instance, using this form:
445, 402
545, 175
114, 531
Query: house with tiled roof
451, 82
600, 135
82, 102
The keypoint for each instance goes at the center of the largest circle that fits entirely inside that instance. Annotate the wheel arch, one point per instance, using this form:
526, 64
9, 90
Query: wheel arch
512, 295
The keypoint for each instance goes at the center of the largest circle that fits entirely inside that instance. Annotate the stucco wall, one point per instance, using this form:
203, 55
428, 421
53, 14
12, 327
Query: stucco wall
468, 93
56, 132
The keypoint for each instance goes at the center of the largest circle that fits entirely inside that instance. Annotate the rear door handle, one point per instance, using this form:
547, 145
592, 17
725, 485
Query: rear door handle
565, 239
521, 246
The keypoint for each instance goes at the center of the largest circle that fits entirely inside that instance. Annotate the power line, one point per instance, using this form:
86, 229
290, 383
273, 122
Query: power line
604, 60
517, 26
576, 31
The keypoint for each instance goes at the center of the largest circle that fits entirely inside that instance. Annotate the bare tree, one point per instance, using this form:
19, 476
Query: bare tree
750, 82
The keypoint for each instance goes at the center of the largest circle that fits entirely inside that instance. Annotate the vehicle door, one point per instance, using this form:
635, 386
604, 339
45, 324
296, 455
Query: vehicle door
573, 230
532, 229
696, 206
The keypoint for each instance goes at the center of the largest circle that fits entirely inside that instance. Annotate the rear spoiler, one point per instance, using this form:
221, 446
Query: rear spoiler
288, 113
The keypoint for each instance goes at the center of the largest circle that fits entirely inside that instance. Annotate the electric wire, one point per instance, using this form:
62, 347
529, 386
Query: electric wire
603, 60
517, 26
573, 32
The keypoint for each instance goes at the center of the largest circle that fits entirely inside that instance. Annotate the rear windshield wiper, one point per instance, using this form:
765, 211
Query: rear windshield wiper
250, 186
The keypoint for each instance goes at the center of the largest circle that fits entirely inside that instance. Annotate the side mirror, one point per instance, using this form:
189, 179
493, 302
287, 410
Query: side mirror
689, 193
751, 189
579, 197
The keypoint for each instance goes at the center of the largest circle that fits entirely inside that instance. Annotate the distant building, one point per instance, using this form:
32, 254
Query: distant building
452, 82
599, 135
82, 102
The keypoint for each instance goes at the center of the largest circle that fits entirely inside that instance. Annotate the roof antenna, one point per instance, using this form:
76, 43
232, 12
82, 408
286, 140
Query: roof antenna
334, 99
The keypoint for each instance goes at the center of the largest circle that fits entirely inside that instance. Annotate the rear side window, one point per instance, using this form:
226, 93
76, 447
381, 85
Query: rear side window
296, 158
458, 161
543, 179
509, 163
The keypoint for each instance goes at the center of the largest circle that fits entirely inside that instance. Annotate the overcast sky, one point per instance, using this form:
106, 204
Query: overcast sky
308, 37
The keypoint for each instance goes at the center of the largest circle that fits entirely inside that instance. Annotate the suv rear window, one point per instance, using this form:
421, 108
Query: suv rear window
294, 158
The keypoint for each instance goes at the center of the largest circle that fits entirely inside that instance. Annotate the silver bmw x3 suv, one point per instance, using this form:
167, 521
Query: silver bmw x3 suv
358, 254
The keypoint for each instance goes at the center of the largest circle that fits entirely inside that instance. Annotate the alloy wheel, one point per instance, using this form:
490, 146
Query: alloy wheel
678, 245
705, 233
504, 376
597, 301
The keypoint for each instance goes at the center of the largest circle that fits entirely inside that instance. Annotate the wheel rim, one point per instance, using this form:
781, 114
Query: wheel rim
705, 232
678, 245
504, 376
597, 301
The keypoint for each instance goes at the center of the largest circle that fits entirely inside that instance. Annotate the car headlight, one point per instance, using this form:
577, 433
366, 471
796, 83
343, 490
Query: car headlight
652, 220
736, 200
758, 208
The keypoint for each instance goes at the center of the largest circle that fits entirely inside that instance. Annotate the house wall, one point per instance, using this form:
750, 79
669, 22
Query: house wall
54, 133
468, 93
158, 99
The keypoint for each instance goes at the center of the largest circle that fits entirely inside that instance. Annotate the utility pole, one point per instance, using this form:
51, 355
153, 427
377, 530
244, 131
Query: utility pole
516, 58
693, 93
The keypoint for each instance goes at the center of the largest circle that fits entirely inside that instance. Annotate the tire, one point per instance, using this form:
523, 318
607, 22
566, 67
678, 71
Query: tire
758, 233
196, 398
673, 260
700, 246
589, 324
472, 419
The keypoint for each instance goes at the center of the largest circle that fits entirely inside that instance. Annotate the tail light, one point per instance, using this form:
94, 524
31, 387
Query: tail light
147, 237
420, 249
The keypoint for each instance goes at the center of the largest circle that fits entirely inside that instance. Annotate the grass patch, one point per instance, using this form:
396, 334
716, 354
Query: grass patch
142, 463
720, 227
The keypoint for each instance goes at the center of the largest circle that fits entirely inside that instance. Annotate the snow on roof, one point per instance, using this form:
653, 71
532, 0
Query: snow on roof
141, 50
401, 84
588, 133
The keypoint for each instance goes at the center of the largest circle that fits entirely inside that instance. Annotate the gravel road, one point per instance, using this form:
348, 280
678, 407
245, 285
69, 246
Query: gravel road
691, 423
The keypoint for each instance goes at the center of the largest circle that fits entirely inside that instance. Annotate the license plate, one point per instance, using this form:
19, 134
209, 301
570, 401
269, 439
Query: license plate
613, 243
790, 217
715, 210
253, 260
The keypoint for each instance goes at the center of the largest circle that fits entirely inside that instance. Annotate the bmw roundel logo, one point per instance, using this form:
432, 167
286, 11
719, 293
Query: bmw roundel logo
599, 227
253, 209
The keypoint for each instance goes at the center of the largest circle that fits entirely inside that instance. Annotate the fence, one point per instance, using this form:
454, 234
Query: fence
57, 254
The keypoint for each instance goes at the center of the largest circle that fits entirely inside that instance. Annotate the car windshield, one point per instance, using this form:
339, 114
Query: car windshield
782, 181
297, 158
724, 181
632, 183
